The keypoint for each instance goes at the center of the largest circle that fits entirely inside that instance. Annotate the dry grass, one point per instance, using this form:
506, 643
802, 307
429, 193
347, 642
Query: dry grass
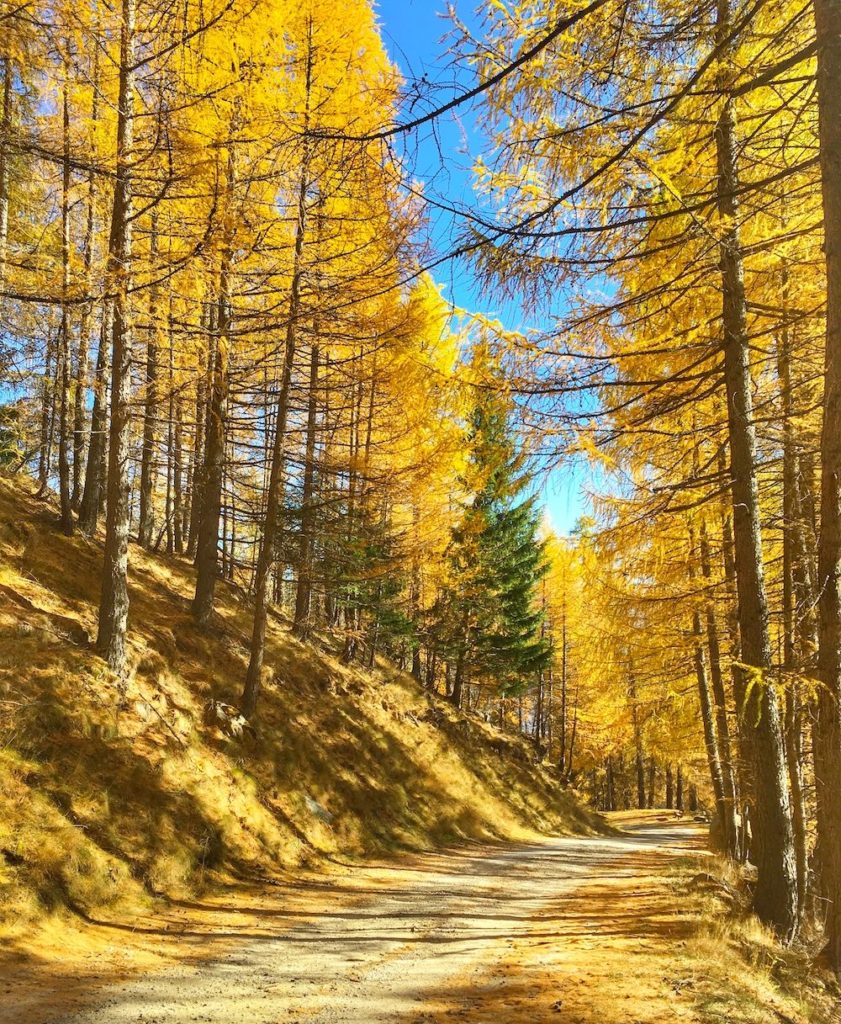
111, 796
739, 973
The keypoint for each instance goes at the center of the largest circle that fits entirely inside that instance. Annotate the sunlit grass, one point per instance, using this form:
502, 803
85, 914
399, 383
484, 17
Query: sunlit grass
741, 974
114, 794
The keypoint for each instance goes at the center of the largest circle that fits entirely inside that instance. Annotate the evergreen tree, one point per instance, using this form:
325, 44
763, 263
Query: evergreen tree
492, 624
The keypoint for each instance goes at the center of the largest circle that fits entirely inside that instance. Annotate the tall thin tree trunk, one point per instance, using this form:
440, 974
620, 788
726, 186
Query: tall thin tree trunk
303, 593
711, 699
148, 456
48, 388
722, 725
82, 353
94, 470
562, 752
65, 485
827, 732
197, 474
176, 416
458, 678
710, 736
568, 774
5, 137
775, 897
639, 757
114, 600
274, 500
207, 546
610, 786
792, 527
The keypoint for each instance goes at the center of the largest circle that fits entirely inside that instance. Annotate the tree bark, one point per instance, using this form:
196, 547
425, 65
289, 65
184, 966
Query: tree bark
65, 485
710, 736
458, 680
274, 501
5, 136
568, 774
114, 600
196, 490
207, 545
95, 465
303, 593
562, 752
793, 551
610, 786
639, 759
827, 731
213, 474
722, 725
775, 897
148, 455
83, 350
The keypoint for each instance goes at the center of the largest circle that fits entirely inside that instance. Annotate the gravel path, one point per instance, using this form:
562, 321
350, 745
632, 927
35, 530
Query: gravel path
403, 942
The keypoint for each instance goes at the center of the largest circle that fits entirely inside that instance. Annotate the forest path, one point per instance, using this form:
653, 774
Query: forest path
570, 929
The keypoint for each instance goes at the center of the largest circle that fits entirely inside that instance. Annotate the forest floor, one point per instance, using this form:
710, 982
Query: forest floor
581, 930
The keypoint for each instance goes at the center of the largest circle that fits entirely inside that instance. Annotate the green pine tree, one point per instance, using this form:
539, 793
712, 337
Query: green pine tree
490, 620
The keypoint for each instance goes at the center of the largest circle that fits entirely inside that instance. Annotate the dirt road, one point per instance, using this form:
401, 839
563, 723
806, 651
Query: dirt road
572, 929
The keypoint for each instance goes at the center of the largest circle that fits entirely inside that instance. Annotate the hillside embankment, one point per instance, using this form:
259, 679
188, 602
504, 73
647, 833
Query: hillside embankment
118, 795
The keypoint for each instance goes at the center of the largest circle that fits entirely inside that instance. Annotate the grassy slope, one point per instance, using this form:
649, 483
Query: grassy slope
736, 970
108, 794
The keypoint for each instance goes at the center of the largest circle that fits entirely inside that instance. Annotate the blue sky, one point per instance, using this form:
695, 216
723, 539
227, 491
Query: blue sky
412, 32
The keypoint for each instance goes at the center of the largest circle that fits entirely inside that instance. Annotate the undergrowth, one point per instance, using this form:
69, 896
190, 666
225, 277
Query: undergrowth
112, 794
740, 973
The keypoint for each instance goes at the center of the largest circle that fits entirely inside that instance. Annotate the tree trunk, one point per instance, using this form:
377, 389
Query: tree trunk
5, 136
713, 714
562, 752
303, 593
722, 725
458, 680
274, 500
710, 737
148, 455
94, 470
197, 475
82, 356
431, 668
827, 731
775, 897
114, 601
568, 774
610, 786
177, 472
670, 788
207, 545
213, 474
65, 484
639, 758
47, 417
793, 551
